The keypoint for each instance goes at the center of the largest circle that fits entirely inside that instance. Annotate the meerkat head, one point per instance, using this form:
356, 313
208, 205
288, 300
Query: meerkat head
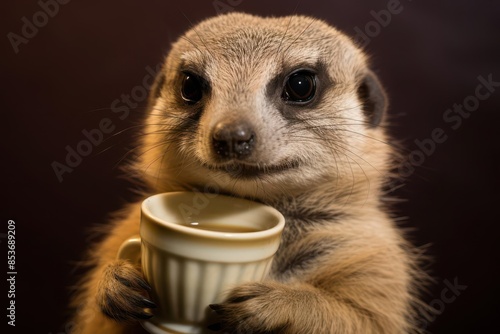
265, 106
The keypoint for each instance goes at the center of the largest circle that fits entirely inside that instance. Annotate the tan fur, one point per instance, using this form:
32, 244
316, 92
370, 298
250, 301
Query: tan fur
359, 275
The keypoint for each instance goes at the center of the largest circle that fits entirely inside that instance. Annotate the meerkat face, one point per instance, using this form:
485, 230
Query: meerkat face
257, 106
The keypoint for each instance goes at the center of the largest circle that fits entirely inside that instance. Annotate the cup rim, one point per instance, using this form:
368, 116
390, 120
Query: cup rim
217, 235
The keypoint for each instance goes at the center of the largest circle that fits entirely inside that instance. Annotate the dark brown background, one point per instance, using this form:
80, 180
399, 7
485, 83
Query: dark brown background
66, 77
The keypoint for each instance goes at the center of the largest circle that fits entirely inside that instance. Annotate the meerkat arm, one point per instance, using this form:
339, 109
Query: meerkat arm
114, 292
360, 285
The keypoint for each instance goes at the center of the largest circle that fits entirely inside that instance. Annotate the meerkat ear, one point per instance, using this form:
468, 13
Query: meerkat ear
373, 99
155, 90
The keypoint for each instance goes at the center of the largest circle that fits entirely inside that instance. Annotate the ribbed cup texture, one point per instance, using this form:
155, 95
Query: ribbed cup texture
183, 287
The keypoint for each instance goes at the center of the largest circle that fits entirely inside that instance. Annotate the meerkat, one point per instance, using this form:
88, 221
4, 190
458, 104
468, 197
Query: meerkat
287, 112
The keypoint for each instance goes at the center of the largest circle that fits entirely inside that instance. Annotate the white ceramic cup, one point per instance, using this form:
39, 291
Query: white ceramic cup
188, 267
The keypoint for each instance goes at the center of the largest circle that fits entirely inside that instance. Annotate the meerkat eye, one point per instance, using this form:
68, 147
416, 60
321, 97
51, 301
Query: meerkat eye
191, 89
300, 87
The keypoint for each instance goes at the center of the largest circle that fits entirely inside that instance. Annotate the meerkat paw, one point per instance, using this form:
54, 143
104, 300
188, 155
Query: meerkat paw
257, 308
122, 293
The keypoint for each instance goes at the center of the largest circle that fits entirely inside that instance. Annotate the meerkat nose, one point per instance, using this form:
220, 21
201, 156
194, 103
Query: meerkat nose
233, 140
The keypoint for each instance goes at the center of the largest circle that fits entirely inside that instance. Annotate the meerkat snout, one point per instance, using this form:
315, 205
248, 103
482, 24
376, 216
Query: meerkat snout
233, 139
